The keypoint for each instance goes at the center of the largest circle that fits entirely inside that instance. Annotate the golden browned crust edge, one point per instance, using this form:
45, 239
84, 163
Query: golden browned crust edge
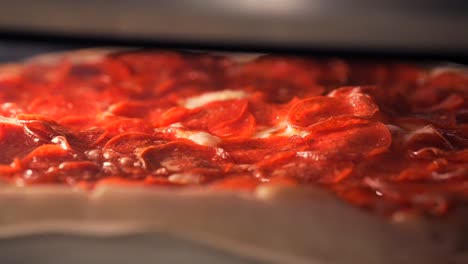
296, 225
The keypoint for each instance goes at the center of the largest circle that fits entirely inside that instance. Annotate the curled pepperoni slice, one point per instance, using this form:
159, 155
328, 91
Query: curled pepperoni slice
178, 156
59, 106
215, 113
117, 70
364, 139
449, 103
42, 129
73, 171
345, 102
130, 109
128, 125
131, 142
427, 136
45, 155
334, 72
77, 122
295, 69
174, 115
335, 124
47, 73
313, 110
242, 127
448, 80
267, 114
89, 137
14, 142
434, 195
279, 78
440, 119
304, 168
155, 63
249, 150
362, 103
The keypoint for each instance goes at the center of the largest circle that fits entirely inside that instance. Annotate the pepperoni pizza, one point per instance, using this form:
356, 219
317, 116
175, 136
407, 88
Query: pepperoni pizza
384, 143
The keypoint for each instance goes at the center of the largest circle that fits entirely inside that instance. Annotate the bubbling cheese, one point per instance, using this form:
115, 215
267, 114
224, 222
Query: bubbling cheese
198, 137
200, 100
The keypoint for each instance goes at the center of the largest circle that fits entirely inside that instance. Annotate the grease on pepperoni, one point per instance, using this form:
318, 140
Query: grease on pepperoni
363, 139
341, 102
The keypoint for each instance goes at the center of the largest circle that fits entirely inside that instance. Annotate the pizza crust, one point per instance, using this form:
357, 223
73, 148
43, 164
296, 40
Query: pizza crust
277, 224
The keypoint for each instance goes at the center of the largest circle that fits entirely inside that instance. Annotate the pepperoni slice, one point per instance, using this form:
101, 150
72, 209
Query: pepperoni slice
267, 114
362, 104
248, 151
154, 63
117, 70
178, 156
242, 127
131, 142
47, 73
335, 124
43, 162
72, 172
42, 129
59, 106
343, 102
313, 110
128, 125
77, 122
449, 80
449, 103
13, 142
174, 115
280, 78
369, 73
305, 170
334, 72
427, 136
130, 109
365, 140
215, 113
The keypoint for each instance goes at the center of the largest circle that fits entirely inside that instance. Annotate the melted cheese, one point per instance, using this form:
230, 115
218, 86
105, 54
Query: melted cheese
200, 100
13, 121
283, 129
198, 137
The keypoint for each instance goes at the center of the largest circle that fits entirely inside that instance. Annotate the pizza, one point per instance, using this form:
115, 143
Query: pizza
284, 159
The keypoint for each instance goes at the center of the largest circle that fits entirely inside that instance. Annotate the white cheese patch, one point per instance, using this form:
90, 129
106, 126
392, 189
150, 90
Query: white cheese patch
266, 133
205, 139
197, 101
283, 129
185, 178
62, 142
198, 137
289, 131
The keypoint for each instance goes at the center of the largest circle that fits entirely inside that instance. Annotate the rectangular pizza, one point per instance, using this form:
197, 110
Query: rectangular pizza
279, 158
